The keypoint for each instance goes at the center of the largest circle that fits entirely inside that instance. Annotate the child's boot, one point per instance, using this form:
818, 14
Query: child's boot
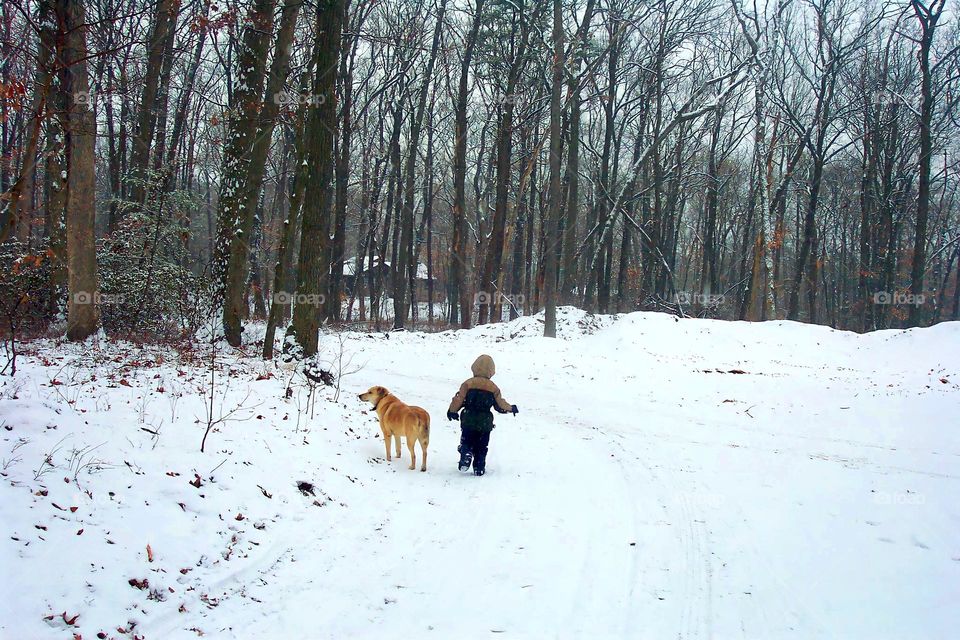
466, 453
465, 458
480, 453
479, 464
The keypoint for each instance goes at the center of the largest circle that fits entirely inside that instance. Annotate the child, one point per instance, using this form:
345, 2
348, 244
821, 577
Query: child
476, 397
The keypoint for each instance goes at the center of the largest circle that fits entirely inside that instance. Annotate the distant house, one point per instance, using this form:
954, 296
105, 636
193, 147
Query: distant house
382, 271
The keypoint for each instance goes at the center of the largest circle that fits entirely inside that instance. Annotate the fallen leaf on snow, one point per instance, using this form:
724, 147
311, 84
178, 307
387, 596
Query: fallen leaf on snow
139, 584
305, 488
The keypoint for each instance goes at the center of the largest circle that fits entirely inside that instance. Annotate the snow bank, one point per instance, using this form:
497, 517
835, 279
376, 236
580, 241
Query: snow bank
664, 478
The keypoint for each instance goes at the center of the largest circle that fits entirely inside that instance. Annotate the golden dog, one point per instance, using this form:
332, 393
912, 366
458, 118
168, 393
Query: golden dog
399, 419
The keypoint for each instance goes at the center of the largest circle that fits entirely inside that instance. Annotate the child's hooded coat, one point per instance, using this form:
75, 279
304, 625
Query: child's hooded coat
477, 395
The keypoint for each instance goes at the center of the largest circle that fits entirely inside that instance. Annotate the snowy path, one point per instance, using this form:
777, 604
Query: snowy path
601, 514
663, 480
541, 537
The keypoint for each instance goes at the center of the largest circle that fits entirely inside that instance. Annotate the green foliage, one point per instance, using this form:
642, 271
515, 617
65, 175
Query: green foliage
147, 288
25, 306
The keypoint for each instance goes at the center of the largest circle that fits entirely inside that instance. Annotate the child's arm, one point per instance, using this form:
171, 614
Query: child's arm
457, 402
502, 406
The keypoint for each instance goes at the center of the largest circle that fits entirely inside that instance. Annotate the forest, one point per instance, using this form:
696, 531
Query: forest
432, 164
668, 289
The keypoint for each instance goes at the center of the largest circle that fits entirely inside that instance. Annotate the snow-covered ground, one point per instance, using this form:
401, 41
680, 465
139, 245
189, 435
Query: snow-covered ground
664, 479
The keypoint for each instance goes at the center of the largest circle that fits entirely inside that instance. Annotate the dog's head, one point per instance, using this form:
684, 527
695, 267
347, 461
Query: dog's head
374, 395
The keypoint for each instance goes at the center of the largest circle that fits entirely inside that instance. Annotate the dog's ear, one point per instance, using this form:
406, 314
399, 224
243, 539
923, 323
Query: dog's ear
381, 391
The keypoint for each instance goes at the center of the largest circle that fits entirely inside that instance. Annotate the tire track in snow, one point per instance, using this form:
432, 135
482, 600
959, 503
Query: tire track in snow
696, 611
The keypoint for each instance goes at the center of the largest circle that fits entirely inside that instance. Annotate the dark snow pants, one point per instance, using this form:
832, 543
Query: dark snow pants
475, 441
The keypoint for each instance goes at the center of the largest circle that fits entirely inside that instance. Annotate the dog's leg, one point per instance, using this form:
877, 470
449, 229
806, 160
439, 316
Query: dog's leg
397, 439
413, 453
386, 444
423, 448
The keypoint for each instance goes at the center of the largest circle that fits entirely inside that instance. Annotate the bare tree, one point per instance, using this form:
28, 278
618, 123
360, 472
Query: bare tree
460, 293
403, 264
552, 233
320, 131
928, 15
83, 317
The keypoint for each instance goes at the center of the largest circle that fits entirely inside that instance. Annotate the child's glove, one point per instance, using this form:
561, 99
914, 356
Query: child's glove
514, 410
453, 415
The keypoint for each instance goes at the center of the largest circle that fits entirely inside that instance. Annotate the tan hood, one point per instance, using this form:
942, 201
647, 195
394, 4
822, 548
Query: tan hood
483, 367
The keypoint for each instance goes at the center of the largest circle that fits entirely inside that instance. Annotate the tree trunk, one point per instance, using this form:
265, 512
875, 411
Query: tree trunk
809, 239
363, 237
55, 170
553, 219
490, 306
83, 317
428, 217
113, 157
709, 281
341, 179
163, 100
164, 21
601, 262
568, 267
183, 104
321, 130
238, 196
458, 245
519, 230
19, 201
403, 267
928, 17
280, 303
528, 285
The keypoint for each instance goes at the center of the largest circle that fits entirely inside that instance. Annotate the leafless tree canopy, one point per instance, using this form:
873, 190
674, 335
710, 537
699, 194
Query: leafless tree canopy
436, 163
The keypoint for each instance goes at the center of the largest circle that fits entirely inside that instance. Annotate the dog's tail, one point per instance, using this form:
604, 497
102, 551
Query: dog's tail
423, 420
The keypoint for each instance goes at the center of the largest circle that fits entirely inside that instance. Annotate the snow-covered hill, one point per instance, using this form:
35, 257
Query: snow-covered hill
664, 479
